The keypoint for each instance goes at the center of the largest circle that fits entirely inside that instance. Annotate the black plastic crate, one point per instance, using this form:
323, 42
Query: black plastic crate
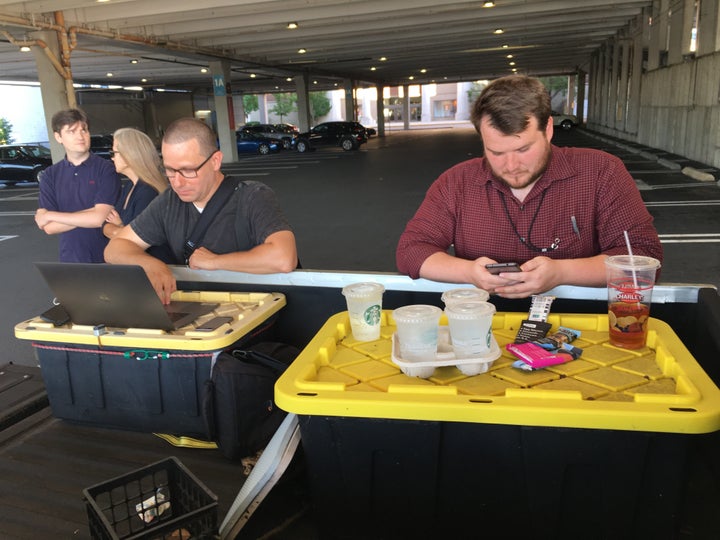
180, 505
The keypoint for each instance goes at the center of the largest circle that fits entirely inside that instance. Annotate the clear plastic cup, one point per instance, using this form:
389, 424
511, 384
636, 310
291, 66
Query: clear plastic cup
470, 328
364, 303
417, 331
630, 282
459, 296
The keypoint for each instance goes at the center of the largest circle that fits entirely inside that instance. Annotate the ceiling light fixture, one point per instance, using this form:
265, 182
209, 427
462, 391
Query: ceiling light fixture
24, 48
488, 4
108, 74
203, 70
134, 61
423, 70
288, 79
509, 56
302, 51
498, 31
383, 59
292, 25
373, 68
512, 63
143, 80
252, 75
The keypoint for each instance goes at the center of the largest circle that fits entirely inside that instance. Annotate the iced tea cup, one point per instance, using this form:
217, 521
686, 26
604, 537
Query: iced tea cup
417, 332
630, 282
364, 303
459, 296
470, 328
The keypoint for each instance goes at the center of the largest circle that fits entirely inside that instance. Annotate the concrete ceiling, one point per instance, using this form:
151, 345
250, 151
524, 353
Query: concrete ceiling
421, 40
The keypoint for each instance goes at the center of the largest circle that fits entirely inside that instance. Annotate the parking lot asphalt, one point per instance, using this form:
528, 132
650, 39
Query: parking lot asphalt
349, 208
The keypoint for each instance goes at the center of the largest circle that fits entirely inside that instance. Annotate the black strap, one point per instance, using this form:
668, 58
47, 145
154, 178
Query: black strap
211, 210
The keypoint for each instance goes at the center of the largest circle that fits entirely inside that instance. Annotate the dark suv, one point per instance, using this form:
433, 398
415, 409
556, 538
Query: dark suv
23, 162
348, 135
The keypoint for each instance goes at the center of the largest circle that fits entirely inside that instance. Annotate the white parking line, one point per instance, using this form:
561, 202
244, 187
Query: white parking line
8, 237
25, 213
709, 202
693, 238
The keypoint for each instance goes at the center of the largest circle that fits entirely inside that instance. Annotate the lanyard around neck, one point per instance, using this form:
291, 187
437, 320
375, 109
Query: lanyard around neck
523, 239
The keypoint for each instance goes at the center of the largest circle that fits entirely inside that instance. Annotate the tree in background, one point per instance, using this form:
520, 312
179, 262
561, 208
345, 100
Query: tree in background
5, 131
320, 105
475, 91
284, 104
250, 104
557, 86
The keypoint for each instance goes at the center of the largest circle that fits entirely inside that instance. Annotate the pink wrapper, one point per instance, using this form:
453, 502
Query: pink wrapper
535, 356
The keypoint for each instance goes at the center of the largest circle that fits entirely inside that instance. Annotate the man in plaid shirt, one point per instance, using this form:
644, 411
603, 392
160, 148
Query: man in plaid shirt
559, 212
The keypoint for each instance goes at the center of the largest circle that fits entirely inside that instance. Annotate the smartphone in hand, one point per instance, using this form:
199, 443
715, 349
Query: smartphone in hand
496, 268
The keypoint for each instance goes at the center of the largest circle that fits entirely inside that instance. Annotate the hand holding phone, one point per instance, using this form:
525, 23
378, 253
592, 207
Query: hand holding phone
496, 268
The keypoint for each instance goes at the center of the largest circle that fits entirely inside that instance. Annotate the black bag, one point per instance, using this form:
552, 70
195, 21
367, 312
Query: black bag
239, 409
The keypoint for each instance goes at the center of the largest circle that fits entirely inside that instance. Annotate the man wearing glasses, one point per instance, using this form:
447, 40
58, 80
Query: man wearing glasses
557, 211
249, 233
77, 193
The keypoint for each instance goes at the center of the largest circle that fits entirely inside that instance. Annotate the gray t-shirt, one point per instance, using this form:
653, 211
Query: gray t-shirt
251, 214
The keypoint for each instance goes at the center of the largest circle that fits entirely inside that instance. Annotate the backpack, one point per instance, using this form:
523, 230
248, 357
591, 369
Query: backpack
239, 408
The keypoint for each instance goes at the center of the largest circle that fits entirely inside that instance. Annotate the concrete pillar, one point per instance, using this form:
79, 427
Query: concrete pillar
708, 28
224, 112
426, 104
303, 102
53, 85
463, 104
677, 47
348, 86
633, 111
657, 45
406, 107
263, 108
580, 96
614, 83
380, 110
622, 95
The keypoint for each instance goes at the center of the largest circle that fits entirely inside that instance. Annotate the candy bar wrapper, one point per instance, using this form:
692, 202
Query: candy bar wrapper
536, 357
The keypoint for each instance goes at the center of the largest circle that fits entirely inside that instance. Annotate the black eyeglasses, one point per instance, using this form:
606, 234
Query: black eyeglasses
187, 173
526, 240
112, 153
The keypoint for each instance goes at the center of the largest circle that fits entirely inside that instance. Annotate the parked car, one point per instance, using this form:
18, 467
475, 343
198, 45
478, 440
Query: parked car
564, 121
23, 162
101, 145
249, 143
279, 132
348, 135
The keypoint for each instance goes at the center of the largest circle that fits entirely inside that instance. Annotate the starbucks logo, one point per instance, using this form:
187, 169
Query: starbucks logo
372, 315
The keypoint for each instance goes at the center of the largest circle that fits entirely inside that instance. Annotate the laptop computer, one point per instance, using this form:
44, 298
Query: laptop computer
115, 295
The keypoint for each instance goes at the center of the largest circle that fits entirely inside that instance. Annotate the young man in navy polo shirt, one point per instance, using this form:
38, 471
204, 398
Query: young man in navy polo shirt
77, 193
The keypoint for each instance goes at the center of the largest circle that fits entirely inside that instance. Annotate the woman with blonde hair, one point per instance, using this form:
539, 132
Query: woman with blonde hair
136, 158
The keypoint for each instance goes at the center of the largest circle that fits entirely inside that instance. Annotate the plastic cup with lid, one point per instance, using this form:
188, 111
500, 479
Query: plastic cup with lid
417, 331
364, 303
470, 328
459, 296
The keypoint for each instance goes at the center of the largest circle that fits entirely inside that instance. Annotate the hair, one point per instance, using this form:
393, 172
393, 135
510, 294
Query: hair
139, 152
68, 117
186, 129
510, 102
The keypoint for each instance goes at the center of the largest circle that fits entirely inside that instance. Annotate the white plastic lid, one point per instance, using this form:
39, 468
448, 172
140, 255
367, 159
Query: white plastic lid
454, 296
363, 289
469, 310
417, 313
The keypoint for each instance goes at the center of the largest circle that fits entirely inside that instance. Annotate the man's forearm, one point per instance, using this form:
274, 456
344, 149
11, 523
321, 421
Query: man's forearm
86, 219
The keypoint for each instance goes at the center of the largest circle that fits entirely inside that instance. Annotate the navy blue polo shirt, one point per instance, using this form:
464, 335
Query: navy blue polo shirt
65, 187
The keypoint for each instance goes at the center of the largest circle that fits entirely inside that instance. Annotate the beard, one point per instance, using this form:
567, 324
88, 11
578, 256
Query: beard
532, 175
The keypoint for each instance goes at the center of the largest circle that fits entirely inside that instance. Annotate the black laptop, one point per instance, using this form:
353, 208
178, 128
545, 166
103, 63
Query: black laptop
115, 295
